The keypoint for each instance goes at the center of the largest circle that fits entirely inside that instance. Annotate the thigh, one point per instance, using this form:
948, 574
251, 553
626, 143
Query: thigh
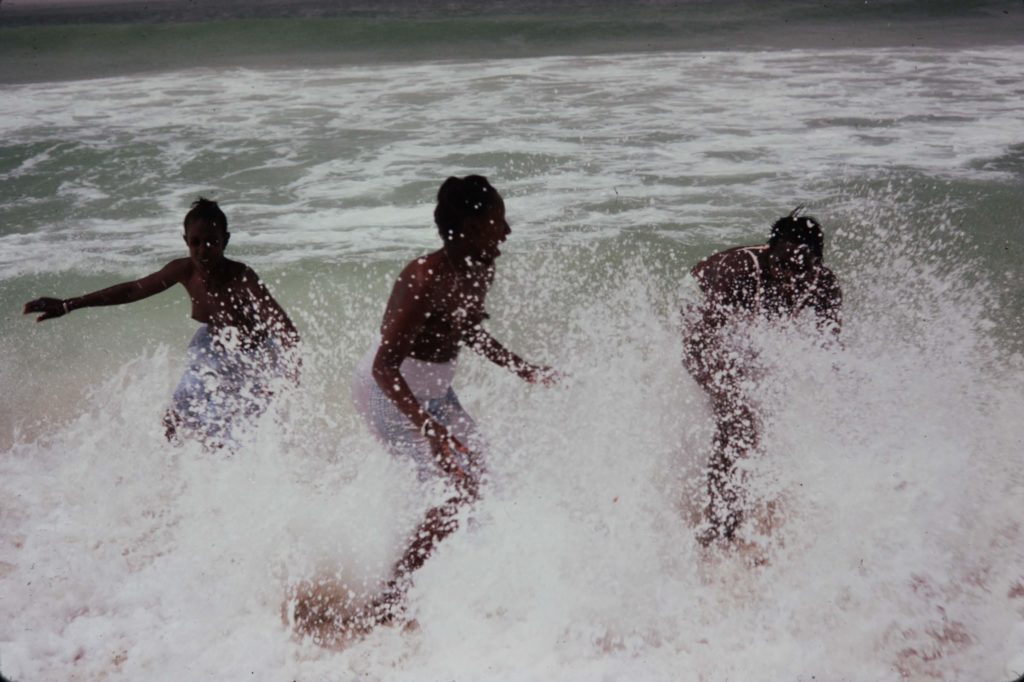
450, 412
401, 438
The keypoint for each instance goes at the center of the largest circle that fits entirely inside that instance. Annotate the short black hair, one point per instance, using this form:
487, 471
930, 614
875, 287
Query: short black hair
459, 198
204, 209
799, 230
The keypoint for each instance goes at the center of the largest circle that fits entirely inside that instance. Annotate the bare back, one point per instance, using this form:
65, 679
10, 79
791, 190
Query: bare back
737, 280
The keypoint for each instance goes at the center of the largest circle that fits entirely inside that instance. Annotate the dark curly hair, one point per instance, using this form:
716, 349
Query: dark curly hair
799, 230
204, 209
460, 198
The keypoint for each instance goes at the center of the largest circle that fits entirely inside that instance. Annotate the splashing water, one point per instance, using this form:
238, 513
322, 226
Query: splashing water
892, 464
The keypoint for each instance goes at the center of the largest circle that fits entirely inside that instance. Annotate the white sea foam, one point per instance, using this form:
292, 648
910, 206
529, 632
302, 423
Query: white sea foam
893, 462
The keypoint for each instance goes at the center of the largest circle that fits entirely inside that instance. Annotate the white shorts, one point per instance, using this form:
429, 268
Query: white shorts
430, 383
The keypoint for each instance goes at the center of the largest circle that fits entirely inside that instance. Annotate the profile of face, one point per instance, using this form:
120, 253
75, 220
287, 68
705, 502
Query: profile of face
483, 234
206, 242
790, 262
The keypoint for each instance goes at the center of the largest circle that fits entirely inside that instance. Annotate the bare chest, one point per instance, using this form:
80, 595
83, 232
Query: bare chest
220, 303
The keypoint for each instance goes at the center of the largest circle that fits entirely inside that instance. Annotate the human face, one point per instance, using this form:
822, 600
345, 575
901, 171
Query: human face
790, 262
206, 243
484, 233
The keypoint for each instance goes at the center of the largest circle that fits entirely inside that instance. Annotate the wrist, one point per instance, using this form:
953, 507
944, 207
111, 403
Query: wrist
66, 305
430, 428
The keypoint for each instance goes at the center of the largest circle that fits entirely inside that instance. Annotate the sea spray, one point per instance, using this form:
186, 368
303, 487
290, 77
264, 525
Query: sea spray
893, 462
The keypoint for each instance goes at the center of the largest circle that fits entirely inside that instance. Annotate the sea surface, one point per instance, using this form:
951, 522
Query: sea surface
629, 141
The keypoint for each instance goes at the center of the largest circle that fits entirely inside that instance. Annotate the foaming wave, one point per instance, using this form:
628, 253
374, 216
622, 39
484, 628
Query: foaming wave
892, 465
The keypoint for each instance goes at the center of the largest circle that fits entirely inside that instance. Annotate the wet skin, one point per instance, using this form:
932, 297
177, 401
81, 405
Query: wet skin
436, 307
787, 280
224, 293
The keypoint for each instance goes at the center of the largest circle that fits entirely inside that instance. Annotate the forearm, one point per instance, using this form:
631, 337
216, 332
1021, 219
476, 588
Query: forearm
702, 353
396, 389
127, 292
290, 334
287, 335
489, 347
829, 313
442, 443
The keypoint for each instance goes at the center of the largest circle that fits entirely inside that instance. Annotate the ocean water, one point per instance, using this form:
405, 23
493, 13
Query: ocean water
893, 464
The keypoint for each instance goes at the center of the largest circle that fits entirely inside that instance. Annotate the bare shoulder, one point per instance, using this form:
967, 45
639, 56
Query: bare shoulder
725, 267
421, 273
179, 269
244, 277
244, 271
236, 271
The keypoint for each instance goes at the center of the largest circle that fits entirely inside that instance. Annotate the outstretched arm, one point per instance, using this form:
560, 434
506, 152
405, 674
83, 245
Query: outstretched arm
486, 345
126, 292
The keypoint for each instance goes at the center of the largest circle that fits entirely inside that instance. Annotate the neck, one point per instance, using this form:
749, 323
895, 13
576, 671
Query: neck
211, 273
461, 262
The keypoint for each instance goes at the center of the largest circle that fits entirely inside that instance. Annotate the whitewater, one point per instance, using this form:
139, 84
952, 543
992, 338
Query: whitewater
892, 463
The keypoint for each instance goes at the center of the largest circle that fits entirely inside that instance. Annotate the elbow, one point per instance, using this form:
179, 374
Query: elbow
385, 371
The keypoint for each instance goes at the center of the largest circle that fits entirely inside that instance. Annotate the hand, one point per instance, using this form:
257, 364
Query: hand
445, 446
49, 307
546, 376
293, 367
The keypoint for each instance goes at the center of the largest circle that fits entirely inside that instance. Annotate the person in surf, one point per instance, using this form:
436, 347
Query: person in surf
245, 338
781, 279
403, 386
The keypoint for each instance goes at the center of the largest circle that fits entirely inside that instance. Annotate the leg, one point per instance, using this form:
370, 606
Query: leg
736, 437
171, 421
439, 522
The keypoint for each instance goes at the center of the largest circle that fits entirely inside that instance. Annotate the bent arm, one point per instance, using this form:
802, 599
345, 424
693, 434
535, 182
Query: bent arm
405, 316
408, 309
126, 292
269, 313
828, 305
702, 344
702, 351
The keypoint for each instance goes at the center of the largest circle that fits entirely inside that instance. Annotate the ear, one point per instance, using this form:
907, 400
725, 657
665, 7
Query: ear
471, 224
184, 238
227, 238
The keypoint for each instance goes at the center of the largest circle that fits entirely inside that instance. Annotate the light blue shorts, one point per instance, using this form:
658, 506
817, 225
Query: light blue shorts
222, 390
404, 441
431, 384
